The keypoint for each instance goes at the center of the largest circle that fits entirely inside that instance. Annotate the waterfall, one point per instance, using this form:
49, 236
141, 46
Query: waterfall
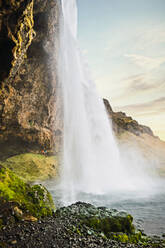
91, 158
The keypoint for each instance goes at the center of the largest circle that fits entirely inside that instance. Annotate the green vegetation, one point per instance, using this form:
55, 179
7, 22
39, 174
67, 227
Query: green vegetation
103, 223
125, 238
111, 224
24, 34
35, 200
32, 167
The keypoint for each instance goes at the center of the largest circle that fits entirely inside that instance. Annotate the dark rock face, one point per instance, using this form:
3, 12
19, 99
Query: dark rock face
30, 113
122, 122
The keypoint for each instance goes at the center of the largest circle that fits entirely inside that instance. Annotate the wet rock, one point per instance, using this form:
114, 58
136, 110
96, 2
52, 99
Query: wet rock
102, 220
65, 229
30, 114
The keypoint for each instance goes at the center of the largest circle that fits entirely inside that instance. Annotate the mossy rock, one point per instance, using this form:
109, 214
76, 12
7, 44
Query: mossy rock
32, 167
111, 224
102, 220
86, 219
35, 200
126, 238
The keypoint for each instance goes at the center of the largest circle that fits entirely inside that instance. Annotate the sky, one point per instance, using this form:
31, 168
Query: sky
124, 44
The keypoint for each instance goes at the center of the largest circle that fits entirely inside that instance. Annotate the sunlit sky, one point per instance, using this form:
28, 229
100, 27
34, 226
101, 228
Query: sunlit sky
124, 43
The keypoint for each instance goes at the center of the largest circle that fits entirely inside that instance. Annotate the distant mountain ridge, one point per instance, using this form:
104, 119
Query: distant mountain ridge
122, 122
130, 133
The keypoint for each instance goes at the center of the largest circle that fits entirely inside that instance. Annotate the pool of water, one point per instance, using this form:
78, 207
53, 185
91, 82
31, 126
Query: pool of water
147, 208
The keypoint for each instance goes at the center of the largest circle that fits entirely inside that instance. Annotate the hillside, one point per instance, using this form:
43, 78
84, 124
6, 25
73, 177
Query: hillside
139, 137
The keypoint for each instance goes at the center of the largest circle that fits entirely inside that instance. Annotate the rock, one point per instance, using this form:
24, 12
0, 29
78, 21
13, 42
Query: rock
19, 199
138, 138
13, 242
107, 106
29, 218
66, 229
17, 212
102, 220
122, 122
30, 114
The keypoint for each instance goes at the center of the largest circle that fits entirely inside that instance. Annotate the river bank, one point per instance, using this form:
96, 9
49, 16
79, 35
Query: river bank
79, 225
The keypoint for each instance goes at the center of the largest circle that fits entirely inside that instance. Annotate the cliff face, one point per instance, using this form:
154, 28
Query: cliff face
122, 122
30, 118
130, 134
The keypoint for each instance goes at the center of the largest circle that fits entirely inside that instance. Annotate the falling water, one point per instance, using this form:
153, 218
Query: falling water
92, 161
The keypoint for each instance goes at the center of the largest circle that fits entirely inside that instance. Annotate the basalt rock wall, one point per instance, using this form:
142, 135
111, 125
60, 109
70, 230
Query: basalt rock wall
30, 113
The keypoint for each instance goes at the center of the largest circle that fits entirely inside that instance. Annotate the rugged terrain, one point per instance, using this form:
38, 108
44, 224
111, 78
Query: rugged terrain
79, 225
30, 97
30, 138
140, 138
30, 118
121, 122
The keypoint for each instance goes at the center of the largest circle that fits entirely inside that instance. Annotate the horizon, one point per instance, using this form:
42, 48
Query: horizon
124, 43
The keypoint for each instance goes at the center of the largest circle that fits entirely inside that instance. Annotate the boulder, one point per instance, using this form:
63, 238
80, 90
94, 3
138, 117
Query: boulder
19, 200
100, 221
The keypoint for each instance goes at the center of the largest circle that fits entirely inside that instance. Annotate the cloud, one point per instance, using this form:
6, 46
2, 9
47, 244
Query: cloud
137, 48
151, 113
150, 36
144, 62
154, 106
143, 82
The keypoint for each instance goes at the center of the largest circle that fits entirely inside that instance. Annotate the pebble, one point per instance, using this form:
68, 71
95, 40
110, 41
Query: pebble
57, 232
13, 242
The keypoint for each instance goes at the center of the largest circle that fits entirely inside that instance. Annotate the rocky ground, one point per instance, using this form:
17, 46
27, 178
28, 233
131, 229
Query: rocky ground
66, 229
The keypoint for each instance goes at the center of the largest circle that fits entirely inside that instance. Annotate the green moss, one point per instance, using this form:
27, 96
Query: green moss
1, 224
31, 167
120, 237
25, 26
36, 199
135, 238
111, 224
22, 36
126, 238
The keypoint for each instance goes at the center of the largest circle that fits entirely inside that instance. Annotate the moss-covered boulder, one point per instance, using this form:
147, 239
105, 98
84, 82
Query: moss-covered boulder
111, 223
21, 199
101, 218
33, 167
100, 221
